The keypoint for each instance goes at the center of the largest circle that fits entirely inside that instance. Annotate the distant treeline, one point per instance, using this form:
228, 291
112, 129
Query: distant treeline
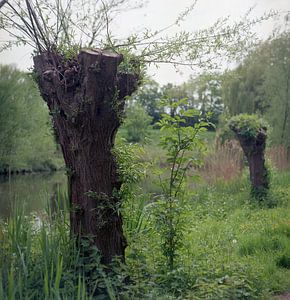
259, 85
26, 137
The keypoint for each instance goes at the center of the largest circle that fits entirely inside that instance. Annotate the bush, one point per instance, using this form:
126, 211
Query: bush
137, 124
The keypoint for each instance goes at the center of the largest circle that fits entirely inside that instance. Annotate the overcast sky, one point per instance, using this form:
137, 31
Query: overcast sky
160, 13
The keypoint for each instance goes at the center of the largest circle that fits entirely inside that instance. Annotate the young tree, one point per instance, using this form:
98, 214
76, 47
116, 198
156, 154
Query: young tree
85, 89
179, 141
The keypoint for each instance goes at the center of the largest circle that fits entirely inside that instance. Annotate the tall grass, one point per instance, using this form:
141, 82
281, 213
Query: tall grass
279, 155
224, 162
40, 260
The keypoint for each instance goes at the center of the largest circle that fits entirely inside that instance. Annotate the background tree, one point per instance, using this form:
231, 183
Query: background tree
242, 88
26, 140
205, 92
173, 94
277, 88
137, 124
261, 85
149, 96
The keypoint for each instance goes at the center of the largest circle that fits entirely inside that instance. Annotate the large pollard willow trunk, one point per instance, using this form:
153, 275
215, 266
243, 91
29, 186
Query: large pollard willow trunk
86, 99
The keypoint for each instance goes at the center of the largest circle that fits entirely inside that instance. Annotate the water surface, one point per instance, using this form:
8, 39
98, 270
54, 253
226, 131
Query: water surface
32, 191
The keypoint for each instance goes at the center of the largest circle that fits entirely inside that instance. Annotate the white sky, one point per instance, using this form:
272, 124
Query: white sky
160, 13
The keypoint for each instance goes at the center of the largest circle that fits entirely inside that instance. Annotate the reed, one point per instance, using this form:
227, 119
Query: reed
224, 162
279, 155
40, 260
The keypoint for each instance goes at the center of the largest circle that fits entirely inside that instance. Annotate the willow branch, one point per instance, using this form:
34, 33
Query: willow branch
2, 3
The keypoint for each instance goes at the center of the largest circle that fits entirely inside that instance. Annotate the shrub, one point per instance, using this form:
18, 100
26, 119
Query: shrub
137, 124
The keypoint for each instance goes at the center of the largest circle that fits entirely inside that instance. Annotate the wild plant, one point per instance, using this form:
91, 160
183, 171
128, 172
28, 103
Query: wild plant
184, 147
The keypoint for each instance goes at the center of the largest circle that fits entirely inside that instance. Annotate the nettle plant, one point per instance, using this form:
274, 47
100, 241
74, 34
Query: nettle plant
184, 147
251, 131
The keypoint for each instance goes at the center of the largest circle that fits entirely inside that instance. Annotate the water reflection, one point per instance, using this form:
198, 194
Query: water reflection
34, 191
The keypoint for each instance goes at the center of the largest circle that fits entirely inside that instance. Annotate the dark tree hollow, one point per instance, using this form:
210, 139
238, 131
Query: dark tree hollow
86, 98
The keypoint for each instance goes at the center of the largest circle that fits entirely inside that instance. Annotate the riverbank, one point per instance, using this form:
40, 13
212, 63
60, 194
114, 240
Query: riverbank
231, 248
41, 168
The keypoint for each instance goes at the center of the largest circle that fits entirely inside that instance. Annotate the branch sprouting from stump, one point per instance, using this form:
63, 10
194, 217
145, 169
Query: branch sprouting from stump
70, 25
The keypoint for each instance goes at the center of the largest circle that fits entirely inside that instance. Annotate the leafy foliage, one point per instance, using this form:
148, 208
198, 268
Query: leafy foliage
247, 126
26, 139
261, 85
137, 124
68, 25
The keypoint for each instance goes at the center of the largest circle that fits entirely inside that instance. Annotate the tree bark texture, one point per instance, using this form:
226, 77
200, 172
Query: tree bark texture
86, 98
254, 149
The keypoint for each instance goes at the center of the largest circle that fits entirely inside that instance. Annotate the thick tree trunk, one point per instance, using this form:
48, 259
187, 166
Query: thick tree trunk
85, 97
254, 149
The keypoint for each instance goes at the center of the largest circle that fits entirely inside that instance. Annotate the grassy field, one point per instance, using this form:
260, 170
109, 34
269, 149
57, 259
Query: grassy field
230, 247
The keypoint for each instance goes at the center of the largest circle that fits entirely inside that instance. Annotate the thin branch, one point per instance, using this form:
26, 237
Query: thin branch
2, 3
39, 27
18, 26
19, 38
107, 25
172, 62
38, 44
21, 28
42, 19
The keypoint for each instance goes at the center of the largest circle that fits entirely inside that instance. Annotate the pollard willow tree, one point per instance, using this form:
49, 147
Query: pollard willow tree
84, 76
251, 131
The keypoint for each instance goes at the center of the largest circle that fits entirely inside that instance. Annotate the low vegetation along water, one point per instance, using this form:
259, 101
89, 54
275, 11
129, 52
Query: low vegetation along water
231, 248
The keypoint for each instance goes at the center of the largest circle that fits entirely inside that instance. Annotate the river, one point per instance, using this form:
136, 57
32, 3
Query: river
33, 192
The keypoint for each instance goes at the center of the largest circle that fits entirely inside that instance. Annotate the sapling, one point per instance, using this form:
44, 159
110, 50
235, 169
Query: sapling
183, 145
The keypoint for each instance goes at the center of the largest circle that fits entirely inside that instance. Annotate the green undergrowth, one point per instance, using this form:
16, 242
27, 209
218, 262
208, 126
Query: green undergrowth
231, 249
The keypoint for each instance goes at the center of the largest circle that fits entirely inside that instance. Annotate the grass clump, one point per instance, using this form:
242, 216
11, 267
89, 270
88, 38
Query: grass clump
284, 261
255, 244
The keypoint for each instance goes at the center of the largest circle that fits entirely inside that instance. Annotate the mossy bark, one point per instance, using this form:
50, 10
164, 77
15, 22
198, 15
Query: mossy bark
85, 97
